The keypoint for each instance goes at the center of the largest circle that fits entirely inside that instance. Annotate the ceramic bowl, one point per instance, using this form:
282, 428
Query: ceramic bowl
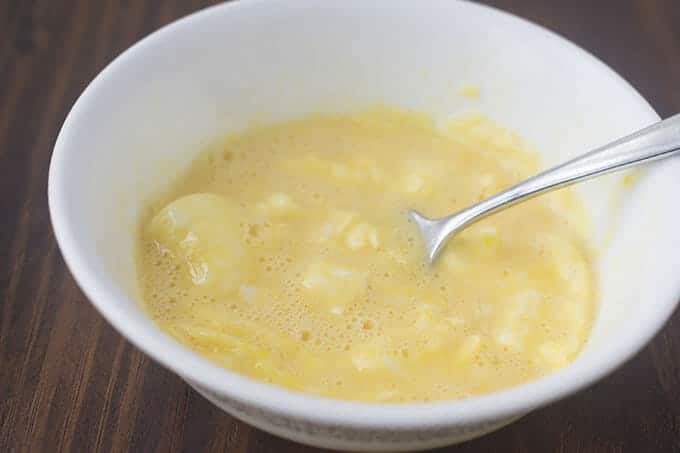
151, 110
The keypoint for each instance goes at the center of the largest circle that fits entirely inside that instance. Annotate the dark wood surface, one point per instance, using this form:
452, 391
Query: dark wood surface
69, 382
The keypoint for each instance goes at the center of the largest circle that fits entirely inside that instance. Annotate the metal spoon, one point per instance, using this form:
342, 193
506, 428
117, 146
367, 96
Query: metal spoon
658, 141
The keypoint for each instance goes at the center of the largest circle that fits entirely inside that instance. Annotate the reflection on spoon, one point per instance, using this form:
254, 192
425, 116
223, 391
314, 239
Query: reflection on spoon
655, 142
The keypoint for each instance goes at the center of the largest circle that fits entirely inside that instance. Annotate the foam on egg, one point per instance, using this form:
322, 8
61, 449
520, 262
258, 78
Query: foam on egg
286, 254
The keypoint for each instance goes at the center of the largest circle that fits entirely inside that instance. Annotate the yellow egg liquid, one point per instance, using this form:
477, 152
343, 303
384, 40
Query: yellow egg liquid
286, 254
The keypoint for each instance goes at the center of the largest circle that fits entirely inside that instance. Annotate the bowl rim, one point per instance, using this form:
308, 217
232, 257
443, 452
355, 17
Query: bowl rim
297, 405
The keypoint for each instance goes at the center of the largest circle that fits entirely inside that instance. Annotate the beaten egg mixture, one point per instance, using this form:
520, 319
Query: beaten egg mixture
286, 254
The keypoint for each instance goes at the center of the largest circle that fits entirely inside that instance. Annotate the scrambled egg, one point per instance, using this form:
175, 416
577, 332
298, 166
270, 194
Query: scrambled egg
286, 254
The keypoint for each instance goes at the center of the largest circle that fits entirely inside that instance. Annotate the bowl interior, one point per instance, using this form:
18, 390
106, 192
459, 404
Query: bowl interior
148, 113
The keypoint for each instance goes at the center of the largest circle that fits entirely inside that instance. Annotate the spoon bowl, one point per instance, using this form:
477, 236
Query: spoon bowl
658, 141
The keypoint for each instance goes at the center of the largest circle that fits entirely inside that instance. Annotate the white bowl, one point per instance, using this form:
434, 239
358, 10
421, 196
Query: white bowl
145, 116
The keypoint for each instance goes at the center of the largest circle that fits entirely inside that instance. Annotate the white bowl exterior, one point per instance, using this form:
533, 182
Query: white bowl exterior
148, 113
355, 438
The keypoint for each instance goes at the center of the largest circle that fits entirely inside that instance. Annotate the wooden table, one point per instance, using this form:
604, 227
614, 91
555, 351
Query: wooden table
69, 382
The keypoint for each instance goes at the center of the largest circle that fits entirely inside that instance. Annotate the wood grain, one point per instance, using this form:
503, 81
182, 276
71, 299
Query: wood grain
69, 382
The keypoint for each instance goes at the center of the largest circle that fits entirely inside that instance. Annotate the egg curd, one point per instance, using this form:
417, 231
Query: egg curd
286, 254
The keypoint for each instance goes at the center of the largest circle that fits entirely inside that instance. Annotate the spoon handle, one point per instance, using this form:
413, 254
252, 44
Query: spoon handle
657, 141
